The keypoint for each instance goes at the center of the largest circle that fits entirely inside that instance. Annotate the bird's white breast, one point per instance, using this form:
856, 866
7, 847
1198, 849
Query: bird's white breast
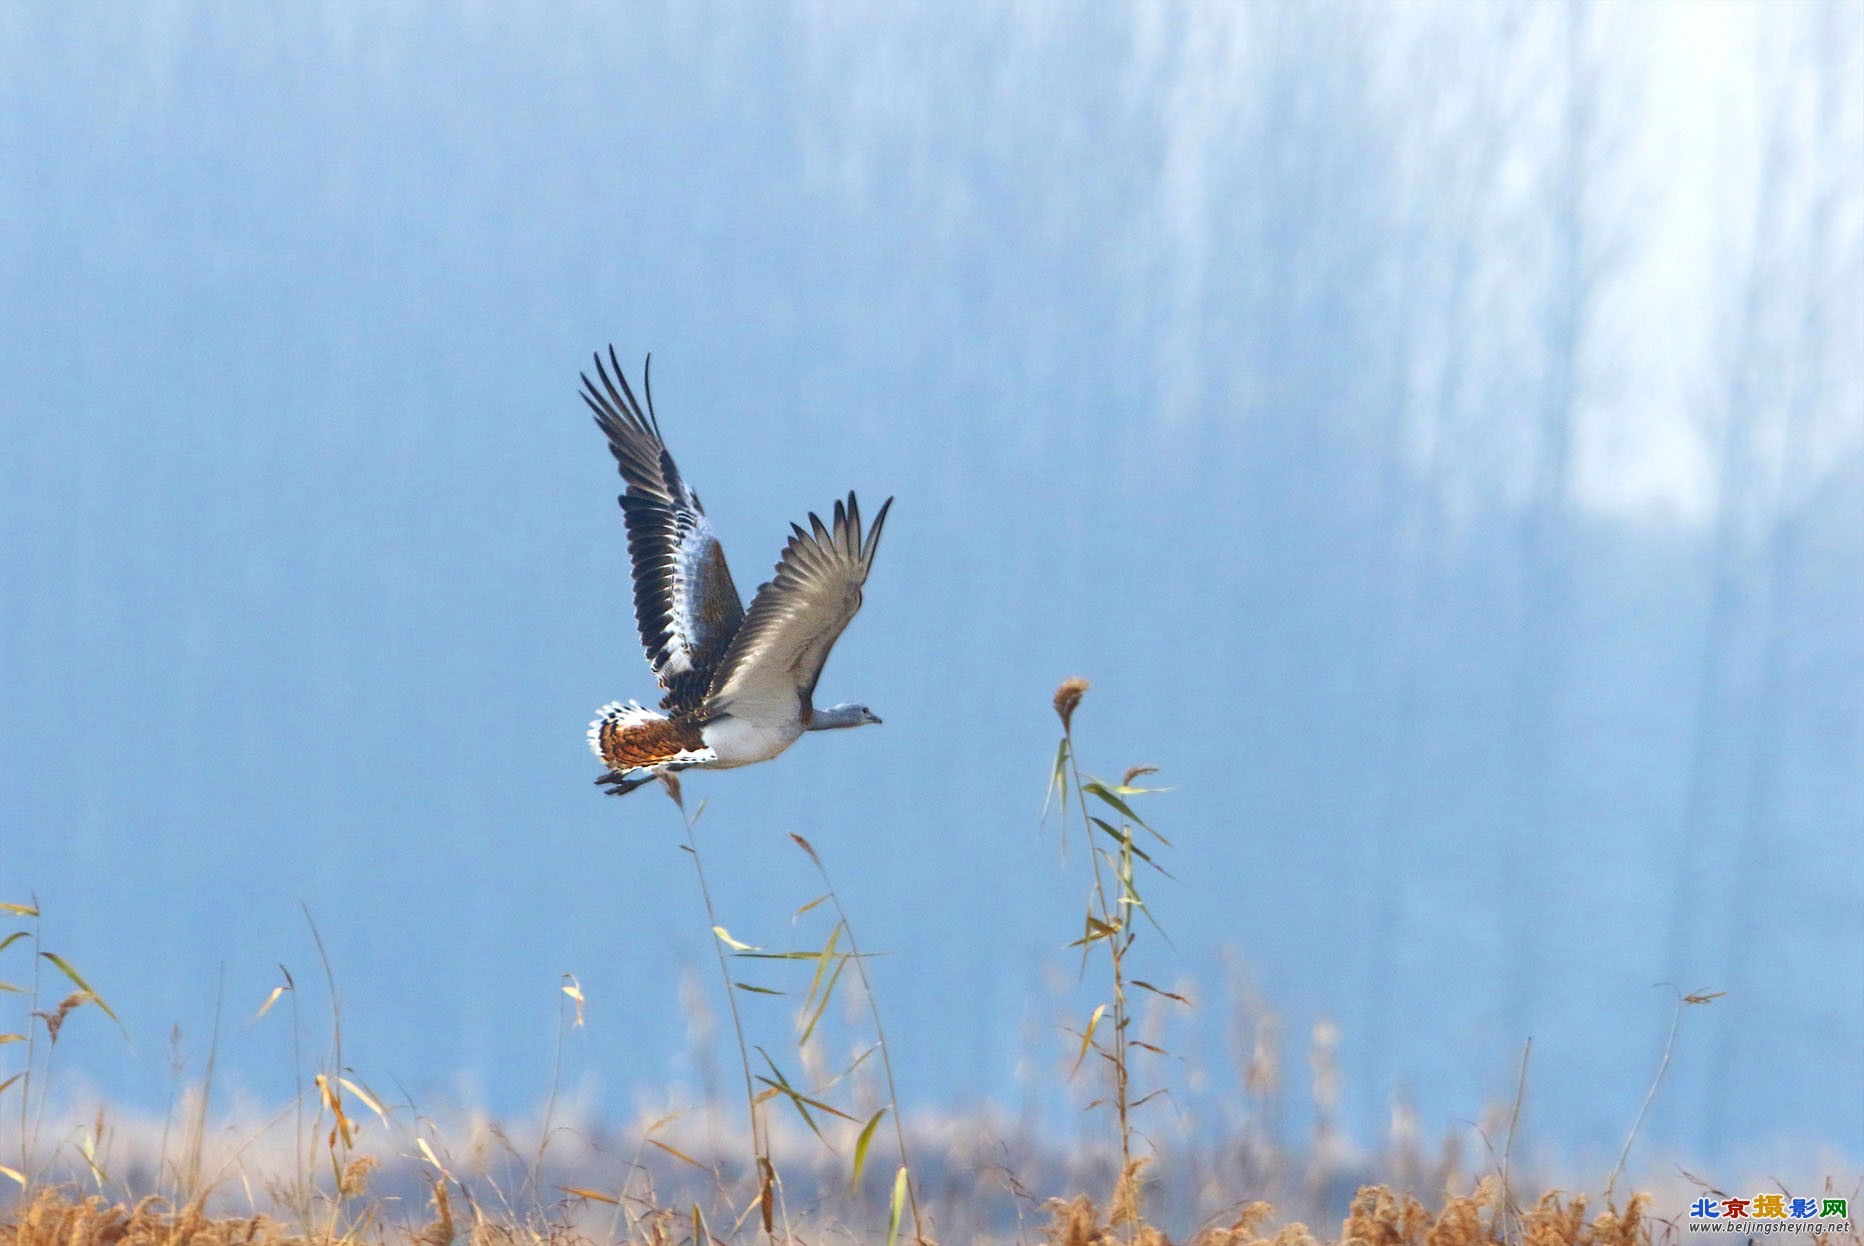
740, 742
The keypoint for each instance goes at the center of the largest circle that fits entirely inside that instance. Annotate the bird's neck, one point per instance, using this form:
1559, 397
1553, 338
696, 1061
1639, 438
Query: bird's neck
836, 716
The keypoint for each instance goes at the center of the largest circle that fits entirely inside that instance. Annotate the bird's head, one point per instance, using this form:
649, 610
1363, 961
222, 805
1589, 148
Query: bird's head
844, 715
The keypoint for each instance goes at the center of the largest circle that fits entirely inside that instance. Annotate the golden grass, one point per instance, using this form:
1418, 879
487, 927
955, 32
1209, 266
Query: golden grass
1382, 1217
59, 1216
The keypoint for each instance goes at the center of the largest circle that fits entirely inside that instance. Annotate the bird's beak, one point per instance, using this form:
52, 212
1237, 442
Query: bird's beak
873, 718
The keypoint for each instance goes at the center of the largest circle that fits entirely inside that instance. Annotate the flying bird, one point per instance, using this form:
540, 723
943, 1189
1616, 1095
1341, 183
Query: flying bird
739, 685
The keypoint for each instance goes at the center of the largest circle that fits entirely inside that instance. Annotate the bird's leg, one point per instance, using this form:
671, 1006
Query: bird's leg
619, 784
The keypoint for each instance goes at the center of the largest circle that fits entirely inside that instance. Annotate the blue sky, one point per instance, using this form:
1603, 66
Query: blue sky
1435, 431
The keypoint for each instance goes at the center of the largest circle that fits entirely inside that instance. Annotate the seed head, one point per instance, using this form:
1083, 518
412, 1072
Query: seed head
1067, 697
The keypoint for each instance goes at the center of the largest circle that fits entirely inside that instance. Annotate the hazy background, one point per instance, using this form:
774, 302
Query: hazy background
1438, 431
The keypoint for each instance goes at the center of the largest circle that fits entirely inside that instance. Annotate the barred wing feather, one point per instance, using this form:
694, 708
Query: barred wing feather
777, 656
685, 604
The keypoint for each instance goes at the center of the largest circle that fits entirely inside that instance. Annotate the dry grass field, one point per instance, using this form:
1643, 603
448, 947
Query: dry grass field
1379, 1217
817, 1150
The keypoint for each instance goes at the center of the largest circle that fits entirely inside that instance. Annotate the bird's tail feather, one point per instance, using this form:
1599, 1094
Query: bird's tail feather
629, 736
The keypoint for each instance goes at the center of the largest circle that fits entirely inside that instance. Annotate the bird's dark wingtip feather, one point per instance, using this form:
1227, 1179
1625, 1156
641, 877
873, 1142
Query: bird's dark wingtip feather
852, 536
588, 395
647, 384
872, 543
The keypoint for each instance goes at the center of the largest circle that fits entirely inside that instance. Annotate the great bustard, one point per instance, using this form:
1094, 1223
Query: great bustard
738, 684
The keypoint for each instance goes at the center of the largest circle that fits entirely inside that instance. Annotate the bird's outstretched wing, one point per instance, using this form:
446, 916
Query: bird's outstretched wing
795, 619
685, 604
